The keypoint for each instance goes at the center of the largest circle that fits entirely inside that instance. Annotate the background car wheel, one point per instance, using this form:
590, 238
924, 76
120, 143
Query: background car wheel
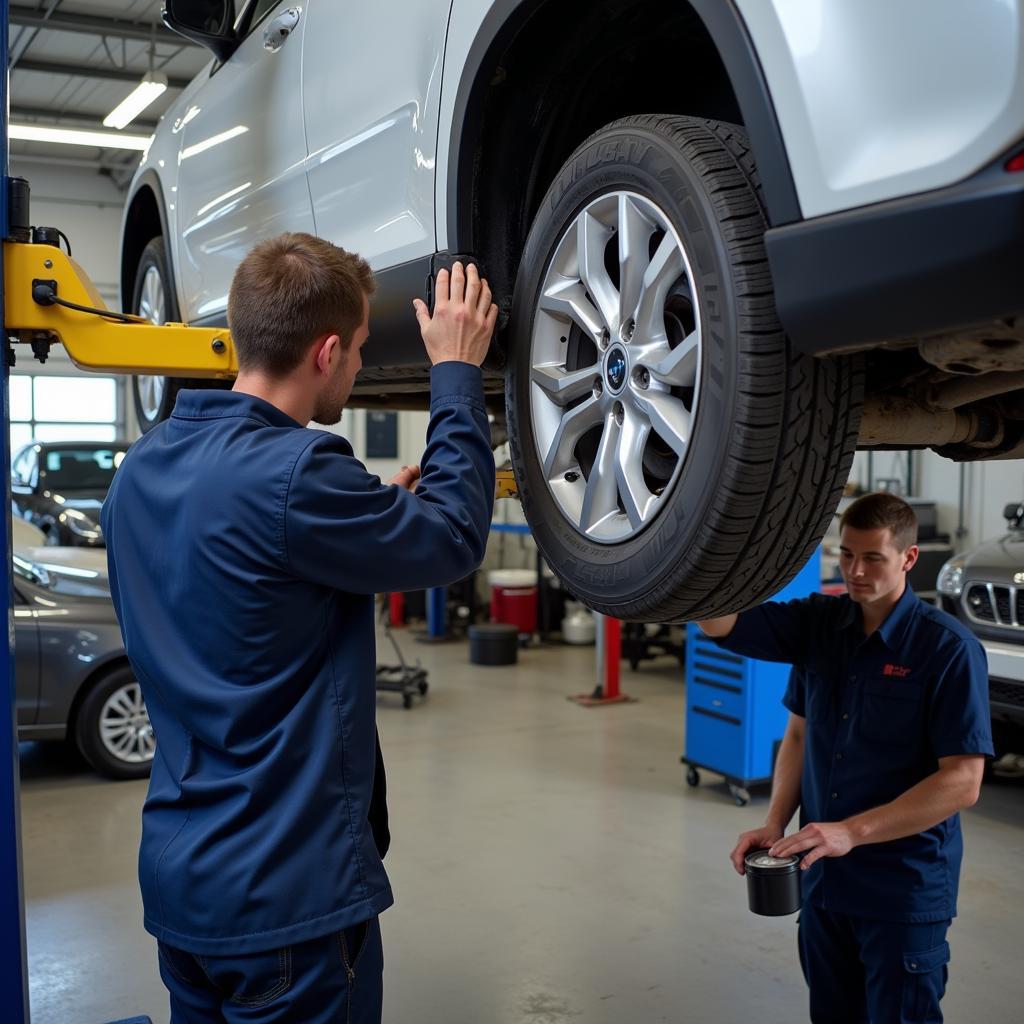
676, 458
112, 728
155, 299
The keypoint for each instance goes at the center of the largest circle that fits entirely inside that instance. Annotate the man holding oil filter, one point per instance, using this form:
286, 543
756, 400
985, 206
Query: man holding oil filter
888, 731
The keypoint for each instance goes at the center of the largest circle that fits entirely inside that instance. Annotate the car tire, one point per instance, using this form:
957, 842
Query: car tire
154, 298
112, 728
696, 470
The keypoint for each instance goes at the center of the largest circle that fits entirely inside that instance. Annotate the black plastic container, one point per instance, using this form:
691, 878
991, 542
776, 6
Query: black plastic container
773, 883
18, 217
494, 644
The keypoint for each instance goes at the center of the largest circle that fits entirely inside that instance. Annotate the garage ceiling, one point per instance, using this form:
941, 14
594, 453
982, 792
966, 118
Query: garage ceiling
73, 61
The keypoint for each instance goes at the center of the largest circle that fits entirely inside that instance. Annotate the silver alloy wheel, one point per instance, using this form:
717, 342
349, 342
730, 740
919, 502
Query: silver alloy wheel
125, 729
615, 359
153, 306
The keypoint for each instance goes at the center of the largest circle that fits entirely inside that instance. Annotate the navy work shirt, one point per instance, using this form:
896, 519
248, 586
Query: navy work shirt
244, 554
881, 710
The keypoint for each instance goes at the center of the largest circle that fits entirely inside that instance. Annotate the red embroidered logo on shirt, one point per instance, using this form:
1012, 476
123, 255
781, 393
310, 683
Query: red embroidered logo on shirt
898, 671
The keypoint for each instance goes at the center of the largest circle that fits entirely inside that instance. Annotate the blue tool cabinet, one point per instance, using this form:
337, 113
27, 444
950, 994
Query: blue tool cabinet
735, 719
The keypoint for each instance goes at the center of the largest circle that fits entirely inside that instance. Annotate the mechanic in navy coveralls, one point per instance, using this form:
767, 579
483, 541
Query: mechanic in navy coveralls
245, 551
886, 742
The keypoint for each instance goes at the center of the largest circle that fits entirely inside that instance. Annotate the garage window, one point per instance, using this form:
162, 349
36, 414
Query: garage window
62, 409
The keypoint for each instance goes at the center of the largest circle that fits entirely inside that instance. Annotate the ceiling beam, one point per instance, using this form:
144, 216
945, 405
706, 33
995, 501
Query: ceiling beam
86, 24
92, 71
70, 119
100, 162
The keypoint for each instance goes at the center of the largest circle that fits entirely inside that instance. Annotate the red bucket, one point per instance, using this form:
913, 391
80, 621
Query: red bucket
514, 598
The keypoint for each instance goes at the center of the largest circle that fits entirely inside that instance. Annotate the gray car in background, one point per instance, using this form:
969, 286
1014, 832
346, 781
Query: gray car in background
72, 676
984, 588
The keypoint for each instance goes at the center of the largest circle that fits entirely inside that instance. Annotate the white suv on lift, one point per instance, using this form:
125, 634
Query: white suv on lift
729, 238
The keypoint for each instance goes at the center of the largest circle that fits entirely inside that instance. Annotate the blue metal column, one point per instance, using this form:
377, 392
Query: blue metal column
13, 965
437, 601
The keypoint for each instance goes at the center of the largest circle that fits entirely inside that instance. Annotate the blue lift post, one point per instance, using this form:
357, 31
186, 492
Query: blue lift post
14, 1005
13, 964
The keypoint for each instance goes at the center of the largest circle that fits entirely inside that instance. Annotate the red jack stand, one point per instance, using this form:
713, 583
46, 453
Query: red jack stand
609, 661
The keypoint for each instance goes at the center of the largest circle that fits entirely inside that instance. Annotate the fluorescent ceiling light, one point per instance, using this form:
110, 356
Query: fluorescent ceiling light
77, 137
151, 86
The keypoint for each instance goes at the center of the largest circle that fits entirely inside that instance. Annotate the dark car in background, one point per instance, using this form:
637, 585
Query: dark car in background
984, 588
72, 677
60, 486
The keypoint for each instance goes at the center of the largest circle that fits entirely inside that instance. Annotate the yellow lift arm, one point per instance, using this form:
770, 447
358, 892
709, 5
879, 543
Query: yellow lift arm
108, 342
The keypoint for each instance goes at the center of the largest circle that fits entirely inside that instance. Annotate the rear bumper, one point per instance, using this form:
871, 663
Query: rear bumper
914, 266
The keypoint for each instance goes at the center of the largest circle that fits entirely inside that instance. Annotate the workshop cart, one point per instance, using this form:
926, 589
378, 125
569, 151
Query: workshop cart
735, 719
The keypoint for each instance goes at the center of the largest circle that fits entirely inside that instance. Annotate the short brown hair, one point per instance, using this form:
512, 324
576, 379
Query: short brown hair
290, 290
883, 511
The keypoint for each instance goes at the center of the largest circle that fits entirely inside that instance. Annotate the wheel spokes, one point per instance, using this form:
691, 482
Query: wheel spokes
669, 418
563, 386
633, 490
601, 498
124, 726
568, 299
635, 232
679, 367
666, 267
633, 406
591, 240
151, 298
560, 456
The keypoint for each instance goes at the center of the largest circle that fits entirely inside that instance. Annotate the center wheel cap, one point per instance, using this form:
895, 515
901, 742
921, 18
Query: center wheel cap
615, 370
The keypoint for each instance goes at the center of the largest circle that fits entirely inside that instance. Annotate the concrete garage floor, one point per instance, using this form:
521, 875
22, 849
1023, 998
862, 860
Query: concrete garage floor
549, 865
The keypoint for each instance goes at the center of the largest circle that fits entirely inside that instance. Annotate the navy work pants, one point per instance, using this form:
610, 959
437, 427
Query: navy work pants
336, 978
864, 971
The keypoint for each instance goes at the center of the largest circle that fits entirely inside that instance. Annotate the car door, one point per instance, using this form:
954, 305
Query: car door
240, 167
371, 87
26, 661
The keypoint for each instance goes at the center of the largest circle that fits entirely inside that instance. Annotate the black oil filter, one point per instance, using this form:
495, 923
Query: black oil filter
773, 883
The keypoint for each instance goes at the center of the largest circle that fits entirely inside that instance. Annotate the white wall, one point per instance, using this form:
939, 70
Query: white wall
87, 207
987, 488
412, 434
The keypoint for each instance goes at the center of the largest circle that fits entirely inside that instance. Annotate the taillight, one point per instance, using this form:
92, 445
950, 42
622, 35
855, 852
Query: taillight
1016, 163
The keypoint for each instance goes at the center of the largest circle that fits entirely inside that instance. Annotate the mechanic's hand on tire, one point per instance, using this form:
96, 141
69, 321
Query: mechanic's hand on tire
755, 839
463, 320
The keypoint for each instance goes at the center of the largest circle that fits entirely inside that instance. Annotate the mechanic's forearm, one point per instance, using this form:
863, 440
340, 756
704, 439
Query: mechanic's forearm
789, 766
720, 627
932, 800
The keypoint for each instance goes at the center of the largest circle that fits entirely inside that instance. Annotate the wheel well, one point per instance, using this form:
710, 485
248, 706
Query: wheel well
142, 223
87, 684
613, 58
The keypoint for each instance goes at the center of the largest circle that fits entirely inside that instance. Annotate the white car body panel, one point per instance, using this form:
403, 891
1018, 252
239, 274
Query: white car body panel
240, 167
348, 125
371, 86
161, 159
878, 100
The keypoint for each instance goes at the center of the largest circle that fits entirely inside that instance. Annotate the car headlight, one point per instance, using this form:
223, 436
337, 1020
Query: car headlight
951, 578
81, 525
